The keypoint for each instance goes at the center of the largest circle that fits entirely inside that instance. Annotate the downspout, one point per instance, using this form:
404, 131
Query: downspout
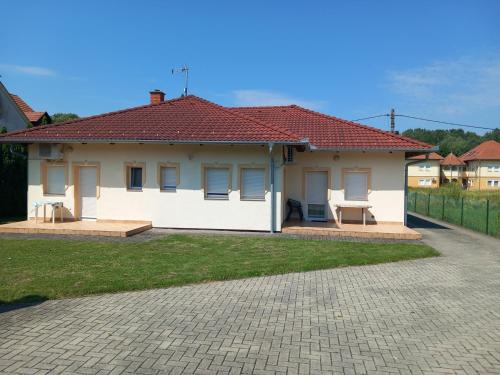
406, 187
273, 190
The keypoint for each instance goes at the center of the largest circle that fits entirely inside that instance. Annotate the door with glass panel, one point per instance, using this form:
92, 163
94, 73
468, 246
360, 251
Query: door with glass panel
317, 195
88, 192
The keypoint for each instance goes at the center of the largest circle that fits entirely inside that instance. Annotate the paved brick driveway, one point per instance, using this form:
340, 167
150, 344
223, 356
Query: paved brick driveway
430, 316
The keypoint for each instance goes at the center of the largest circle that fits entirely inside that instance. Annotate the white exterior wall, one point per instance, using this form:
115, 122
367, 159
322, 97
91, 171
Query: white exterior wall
185, 208
387, 185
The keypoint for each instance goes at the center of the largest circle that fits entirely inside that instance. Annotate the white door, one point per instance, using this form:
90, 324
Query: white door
88, 192
317, 195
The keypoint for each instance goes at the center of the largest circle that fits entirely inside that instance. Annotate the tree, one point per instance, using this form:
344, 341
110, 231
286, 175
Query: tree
62, 117
457, 141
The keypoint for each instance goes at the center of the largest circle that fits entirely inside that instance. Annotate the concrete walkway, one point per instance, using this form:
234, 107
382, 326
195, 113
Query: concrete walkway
439, 315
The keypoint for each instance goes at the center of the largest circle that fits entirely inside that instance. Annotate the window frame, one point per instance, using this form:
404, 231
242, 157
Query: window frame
204, 174
44, 177
177, 174
368, 171
242, 167
494, 183
127, 175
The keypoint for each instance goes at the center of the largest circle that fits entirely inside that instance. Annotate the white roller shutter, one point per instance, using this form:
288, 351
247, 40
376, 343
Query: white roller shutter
55, 180
168, 178
253, 183
217, 180
356, 186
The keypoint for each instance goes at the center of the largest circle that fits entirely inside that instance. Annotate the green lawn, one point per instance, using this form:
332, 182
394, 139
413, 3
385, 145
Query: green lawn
37, 269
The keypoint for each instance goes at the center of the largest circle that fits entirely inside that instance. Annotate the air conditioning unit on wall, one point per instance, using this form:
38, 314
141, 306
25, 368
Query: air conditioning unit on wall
50, 151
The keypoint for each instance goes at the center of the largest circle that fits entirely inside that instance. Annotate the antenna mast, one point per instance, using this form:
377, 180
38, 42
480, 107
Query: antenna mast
185, 70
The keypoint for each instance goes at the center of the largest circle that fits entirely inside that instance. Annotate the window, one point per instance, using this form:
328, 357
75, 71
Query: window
56, 181
493, 168
290, 154
425, 182
217, 182
425, 167
135, 176
493, 183
252, 183
168, 176
356, 186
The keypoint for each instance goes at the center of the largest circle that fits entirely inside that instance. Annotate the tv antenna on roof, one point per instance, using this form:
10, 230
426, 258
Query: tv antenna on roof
185, 70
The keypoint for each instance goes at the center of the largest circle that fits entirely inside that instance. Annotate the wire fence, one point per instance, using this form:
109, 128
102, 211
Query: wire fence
481, 215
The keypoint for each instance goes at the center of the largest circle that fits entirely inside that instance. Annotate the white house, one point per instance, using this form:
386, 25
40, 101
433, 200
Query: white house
190, 163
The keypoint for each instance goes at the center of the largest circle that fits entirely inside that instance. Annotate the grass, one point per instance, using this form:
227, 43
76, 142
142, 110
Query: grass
38, 269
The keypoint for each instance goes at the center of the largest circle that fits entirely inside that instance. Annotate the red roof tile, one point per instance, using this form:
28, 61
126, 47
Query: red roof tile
21, 103
329, 132
33, 116
489, 150
192, 119
451, 159
188, 119
431, 156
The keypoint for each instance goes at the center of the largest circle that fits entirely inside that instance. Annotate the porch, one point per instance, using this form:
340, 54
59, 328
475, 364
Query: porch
86, 228
334, 229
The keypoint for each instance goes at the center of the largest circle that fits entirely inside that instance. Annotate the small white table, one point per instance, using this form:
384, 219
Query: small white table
54, 205
363, 207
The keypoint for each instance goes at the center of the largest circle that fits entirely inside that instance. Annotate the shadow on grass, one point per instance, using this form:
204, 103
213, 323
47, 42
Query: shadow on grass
416, 222
20, 303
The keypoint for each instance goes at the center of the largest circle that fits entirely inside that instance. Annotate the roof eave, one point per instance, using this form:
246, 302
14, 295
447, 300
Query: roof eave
374, 149
149, 141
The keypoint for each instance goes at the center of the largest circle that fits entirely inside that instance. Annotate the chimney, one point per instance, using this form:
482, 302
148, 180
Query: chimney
156, 96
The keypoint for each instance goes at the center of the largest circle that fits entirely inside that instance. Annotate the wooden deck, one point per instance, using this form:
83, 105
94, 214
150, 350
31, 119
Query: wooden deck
87, 228
383, 231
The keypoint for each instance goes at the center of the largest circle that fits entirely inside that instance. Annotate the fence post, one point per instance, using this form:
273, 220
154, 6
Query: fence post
442, 209
429, 204
487, 215
416, 194
462, 213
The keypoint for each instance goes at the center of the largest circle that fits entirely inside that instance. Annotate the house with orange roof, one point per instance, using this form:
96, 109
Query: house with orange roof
424, 170
191, 163
483, 166
16, 114
453, 170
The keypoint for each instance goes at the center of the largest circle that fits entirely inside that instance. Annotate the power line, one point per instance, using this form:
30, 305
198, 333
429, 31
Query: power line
445, 122
367, 118
428, 120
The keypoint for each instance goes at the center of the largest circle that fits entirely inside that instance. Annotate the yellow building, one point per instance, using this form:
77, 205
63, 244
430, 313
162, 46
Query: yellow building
483, 166
453, 170
424, 170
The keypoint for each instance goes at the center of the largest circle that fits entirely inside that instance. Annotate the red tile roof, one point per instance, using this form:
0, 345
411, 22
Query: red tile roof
33, 116
431, 156
489, 150
329, 132
21, 103
192, 119
188, 119
451, 159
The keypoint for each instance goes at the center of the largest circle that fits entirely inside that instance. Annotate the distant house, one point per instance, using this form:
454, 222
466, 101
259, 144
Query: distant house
190, 163
11, 116
35, 117
483, 166
452, 170
16, 114
424, 170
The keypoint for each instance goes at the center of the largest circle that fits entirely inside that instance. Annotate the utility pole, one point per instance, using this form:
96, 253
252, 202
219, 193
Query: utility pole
393, 121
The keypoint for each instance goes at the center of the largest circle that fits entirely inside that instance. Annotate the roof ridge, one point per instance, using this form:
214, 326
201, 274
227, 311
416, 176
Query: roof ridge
263, 106
241, 115
95, 116
361, 125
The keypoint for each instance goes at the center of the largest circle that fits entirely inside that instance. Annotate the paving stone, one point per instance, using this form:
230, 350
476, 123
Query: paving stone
430, 316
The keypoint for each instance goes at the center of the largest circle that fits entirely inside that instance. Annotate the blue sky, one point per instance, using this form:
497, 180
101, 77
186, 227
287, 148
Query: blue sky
352, 59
